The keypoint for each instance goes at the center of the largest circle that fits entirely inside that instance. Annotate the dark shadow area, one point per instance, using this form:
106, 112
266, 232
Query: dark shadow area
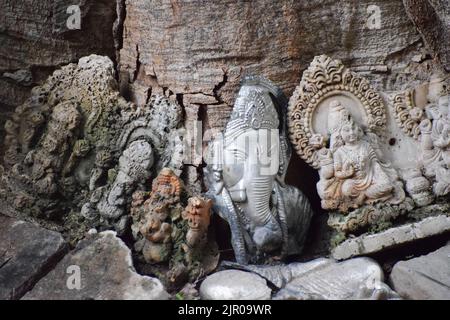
304, 177
5, 114
223, 238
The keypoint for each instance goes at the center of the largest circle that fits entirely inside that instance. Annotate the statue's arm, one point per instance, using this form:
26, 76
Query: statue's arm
342, 170
444, 139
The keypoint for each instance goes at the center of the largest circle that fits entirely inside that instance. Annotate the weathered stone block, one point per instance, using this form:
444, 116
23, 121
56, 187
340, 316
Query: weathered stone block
393, 237
27, 253
106, 273
425, 277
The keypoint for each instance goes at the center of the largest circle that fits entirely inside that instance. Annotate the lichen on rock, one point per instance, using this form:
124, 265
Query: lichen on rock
75, 151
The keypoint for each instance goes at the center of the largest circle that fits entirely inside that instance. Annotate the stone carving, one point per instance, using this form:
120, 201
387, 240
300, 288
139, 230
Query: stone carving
172, 236
198, 216
336, 125
76, 151
407, 116
423, 114
326, 78
352, 172
410, 108
245, 177
435, 146
417, 186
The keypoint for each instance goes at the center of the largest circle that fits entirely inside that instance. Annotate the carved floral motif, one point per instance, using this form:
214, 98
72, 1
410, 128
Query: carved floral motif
407, 116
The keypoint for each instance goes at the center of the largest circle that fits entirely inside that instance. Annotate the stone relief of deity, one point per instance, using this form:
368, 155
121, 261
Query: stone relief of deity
435, 145
423, 113
337, 124
353, 172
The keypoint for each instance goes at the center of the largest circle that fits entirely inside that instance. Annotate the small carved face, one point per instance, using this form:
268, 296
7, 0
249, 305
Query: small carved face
350, 132
166, 186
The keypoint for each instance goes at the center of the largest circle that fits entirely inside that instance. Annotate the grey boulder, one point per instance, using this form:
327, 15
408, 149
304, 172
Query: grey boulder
425, 277
27, 253
100, 268
234, 285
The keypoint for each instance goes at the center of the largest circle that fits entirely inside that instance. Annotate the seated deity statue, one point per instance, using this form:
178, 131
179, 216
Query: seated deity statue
435, 145
245, 177
352, 172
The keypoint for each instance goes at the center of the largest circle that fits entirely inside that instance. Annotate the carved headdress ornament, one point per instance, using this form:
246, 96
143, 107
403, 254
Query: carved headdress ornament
255, 107
337, 117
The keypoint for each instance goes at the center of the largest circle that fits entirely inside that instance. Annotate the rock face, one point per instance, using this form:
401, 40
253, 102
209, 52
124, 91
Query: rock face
106, 273
27, 253
203, 55
432, 19
393, 237
426, 277
36, 39
234, 285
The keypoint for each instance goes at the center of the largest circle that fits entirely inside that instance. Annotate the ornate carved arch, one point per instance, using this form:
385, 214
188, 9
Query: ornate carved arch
324, 78
404, 114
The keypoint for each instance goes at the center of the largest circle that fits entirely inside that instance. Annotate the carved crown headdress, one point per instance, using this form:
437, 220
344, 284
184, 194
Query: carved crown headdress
337, 117
255, 107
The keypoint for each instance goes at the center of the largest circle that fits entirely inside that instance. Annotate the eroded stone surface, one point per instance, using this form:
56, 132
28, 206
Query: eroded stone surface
372, 243
27, 253
234, 285
106, 271
36, 40
76, 151
425, 277
432, 19
205, 53
359, 278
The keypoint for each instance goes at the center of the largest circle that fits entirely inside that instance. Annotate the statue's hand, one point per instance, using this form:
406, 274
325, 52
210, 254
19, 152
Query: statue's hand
218, 181
425, 125
217, 176
349, 170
